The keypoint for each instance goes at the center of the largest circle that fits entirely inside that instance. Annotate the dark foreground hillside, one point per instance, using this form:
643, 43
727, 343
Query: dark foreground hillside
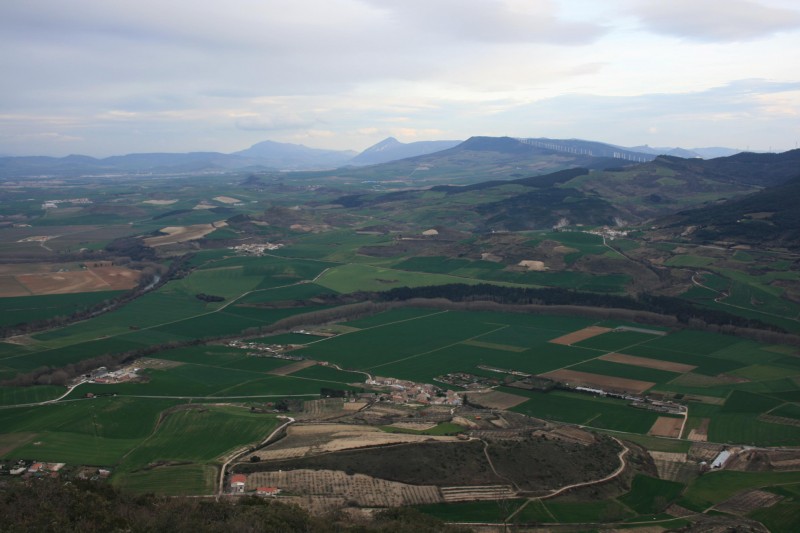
52, 505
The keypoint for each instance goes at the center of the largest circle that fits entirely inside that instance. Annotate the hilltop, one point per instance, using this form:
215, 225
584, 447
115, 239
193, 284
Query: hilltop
390, 149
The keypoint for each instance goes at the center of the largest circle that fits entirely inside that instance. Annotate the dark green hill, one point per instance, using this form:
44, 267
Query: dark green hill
578, 195
747, 168
536, 202
475, 160
672, 184
770, 217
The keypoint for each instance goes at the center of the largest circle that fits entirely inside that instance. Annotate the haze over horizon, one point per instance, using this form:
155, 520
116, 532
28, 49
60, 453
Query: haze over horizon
102, 79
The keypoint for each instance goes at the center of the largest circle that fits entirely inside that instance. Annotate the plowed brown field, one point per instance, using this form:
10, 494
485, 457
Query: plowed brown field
580, 335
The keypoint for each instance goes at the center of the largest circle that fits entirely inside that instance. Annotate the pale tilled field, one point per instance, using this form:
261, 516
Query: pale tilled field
366, 491
312, 439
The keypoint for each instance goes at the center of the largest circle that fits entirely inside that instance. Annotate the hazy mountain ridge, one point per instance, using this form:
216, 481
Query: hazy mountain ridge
390, 149
476, 159
709, 152
287, 156
632, 194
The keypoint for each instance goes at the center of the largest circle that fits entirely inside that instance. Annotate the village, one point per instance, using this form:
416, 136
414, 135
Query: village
256, 249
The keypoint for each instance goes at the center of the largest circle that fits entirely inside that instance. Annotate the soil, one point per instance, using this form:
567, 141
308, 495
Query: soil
365, 491
647, 362
497, 399
580, 335
90, 280
747, 502
666, 426
176, 234
700, 433
292, 368
606, 383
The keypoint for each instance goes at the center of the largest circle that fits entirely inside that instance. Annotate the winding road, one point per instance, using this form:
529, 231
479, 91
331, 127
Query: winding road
241, 451
556, 492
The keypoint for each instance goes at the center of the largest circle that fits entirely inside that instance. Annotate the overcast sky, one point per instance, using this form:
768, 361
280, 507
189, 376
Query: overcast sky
105, 77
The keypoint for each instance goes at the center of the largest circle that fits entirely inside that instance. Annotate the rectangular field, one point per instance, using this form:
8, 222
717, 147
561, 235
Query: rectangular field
292, 368
646, 362
607, 383
580, 335
497, 399
592, 411
90, 280
666, 426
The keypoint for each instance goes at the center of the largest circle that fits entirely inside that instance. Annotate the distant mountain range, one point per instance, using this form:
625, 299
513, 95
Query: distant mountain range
535, 154
390, 149
710, 152
631, 194
286, 156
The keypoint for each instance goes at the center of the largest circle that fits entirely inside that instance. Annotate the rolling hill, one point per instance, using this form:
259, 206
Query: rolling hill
767, 218
391, 149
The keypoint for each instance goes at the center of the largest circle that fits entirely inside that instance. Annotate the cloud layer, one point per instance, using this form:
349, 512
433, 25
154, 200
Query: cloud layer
102, 78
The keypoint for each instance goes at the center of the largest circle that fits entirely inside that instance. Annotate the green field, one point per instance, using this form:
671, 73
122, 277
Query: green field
18, 310
170, 480
585, 410
479, 511
716, 487
199, 435
649, 495
95, 432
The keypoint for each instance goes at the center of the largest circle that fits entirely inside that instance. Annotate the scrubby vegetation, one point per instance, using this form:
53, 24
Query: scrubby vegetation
50, 505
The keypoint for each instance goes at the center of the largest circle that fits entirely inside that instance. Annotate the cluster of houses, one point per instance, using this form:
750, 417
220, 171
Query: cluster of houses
35, 468
402, 391
609, 233
264, 350
637, 401
256, 249
27, 469
467, 381
52, 204
103, 376
238, 483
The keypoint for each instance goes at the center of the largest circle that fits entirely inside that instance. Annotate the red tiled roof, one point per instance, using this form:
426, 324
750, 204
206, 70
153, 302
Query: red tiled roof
238, 478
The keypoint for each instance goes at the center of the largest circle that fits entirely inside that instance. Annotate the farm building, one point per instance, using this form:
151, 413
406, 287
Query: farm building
238, 482
268, 491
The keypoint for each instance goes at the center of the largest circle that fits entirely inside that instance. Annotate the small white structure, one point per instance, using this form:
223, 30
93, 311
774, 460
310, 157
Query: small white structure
238, 481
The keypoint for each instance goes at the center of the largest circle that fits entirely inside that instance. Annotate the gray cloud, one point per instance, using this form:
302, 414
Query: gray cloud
103, 77
274, 122
715, 20
533, 21
718, 116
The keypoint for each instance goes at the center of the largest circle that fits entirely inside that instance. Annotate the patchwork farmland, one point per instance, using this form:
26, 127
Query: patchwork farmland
425, 404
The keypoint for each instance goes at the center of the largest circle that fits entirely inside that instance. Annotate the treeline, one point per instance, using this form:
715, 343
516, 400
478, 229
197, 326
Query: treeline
80, 506
51, 375
654, 310
646, 309
682, 310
